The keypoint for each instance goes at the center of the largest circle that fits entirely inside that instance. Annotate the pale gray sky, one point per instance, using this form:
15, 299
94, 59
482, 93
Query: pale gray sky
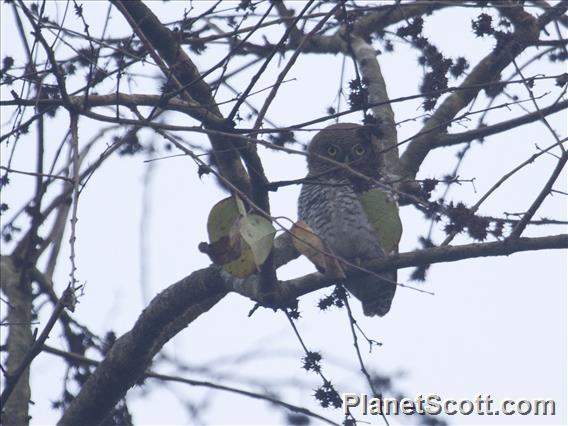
495, 325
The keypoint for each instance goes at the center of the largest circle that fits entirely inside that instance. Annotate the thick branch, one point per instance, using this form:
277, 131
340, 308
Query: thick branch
297, 287
180, 304
162, 40
15, 411
486, 70
371, 71
168, 313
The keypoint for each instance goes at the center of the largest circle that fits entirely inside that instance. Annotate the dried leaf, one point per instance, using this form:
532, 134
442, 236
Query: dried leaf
310, 245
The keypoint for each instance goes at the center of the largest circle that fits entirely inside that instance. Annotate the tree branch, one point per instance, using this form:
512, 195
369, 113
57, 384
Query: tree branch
22, 370
161, 39
371, 71
19, 322
128, 100
520, 227
181, 303
486, 70
456, 138
292, 289
126, 362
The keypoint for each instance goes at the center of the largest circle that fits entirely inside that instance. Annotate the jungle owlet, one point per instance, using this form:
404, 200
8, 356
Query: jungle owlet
332, 208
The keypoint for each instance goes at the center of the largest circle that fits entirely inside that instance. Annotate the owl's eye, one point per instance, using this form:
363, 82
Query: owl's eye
332, 150
358, 150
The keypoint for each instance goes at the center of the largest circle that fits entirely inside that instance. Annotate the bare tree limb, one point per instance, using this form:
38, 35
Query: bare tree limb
20, 339
486, 70
22, 370
371, 71
73, 357
181, 303
147, 26
520, 227
297, 287
129, 100
456, 138
43, 175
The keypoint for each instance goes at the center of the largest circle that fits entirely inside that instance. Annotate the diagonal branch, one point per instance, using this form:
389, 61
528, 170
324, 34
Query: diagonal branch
168, 313
546, 190
181, 303
66, 300
162, 41
486, 70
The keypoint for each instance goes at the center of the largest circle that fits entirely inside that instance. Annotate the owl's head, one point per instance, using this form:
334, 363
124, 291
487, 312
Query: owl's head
345, 143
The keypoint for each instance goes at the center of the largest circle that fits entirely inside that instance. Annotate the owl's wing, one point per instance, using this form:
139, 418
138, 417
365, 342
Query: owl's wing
382, 213
376, 294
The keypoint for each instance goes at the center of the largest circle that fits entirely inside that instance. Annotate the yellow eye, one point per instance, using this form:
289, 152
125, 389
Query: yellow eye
358, 150
332, 150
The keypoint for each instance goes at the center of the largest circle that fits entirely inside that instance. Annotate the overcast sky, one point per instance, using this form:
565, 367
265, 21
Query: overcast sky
494, 326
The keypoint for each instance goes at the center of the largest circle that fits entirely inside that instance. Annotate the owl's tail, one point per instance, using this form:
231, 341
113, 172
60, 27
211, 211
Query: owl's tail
374, 293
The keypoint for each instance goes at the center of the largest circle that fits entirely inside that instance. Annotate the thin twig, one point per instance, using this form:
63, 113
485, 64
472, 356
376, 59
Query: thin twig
166, 377
520, 227
42, 175
352, 323
75, 197
290, 64
497, 184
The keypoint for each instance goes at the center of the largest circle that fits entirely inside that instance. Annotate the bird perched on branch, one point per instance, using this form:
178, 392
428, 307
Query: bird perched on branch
356, 221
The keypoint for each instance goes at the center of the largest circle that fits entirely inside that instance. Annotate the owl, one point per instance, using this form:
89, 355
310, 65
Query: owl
330, 204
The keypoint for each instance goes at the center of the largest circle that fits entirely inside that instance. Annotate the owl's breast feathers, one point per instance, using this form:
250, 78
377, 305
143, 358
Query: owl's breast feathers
334, 212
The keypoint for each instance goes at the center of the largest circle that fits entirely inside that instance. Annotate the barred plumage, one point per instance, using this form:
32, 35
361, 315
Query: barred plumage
331, 206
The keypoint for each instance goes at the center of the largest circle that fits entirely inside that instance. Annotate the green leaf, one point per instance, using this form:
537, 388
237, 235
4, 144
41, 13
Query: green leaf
258, 233
240, 242
382, 213
221, 218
